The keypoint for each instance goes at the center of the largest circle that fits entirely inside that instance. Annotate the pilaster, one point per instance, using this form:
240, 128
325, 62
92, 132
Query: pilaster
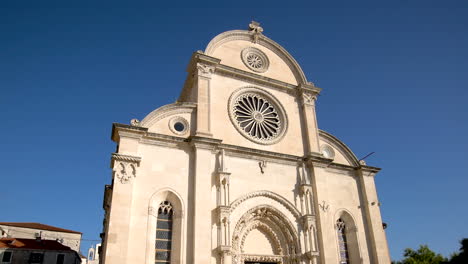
202, 68
308, 96
201, 198
125, 170
377, 242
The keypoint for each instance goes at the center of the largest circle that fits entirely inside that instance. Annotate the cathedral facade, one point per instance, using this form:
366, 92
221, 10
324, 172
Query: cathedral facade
237, 171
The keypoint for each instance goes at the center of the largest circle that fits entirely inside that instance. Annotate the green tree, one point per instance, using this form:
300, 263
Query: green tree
462, 256
421, 256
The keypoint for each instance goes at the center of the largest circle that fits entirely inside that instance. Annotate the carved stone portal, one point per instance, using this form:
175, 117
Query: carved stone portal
264, 235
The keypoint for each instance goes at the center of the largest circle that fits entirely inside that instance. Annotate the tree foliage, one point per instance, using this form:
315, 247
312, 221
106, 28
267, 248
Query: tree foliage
424, 255
462, 256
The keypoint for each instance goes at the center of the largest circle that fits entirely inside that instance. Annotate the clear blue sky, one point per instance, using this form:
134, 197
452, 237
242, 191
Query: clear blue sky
394, 76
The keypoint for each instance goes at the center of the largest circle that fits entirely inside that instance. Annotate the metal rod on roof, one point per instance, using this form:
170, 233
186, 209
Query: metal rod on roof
367, 156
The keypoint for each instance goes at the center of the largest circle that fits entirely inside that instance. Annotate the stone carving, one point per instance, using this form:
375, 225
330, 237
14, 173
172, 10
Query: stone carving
124, 167
290, 207
262, 164
340, 224
135, 122
256, 30
255, 59
125, 172
308, 99
324, 206
280, 233
205, 70
261, 212
262, 258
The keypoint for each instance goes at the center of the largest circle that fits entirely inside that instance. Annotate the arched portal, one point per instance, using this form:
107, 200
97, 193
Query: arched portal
265, 235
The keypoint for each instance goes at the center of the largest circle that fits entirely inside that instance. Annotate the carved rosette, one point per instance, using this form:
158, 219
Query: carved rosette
124, 167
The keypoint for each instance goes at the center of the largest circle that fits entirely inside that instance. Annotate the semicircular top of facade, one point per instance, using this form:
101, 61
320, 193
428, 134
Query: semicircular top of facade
250, 50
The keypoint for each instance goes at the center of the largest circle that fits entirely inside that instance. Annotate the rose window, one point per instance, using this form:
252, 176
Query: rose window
255, 59
257, 117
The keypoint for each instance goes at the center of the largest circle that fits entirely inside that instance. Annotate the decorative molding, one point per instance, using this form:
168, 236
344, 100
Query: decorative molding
261, 258
288, 205
125, 158
207, 143
324, 206
282, 234
308, 99
205, 70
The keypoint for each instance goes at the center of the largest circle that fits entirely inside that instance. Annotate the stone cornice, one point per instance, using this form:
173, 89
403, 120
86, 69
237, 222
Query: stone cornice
315, 159
200, 57
369, 169
122, 130
204, 142
245, 152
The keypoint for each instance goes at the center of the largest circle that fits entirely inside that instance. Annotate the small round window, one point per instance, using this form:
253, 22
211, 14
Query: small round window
328, 152
178, 125
255, 59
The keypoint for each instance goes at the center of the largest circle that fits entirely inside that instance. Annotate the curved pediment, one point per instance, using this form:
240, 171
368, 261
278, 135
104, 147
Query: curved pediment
268, 58
172, 119
335, 149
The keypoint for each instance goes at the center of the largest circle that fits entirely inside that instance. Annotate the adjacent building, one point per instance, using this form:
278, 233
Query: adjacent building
22, 251
66, 237
238, 171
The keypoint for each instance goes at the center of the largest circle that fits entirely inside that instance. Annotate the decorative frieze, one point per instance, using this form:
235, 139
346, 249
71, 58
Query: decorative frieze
124, 167
205, 70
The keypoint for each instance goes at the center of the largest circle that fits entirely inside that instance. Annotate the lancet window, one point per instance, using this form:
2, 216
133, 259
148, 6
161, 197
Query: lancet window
164, 233
342, 241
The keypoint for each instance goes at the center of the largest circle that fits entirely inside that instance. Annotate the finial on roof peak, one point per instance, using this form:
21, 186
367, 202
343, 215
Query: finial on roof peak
256, 30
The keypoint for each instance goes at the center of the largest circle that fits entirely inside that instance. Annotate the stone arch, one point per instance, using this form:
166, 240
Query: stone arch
178, 226
282, 235
287, 204
264, 41
344, 217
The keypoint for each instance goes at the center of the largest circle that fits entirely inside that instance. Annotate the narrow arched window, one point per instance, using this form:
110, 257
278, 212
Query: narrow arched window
342, 241
164, 233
